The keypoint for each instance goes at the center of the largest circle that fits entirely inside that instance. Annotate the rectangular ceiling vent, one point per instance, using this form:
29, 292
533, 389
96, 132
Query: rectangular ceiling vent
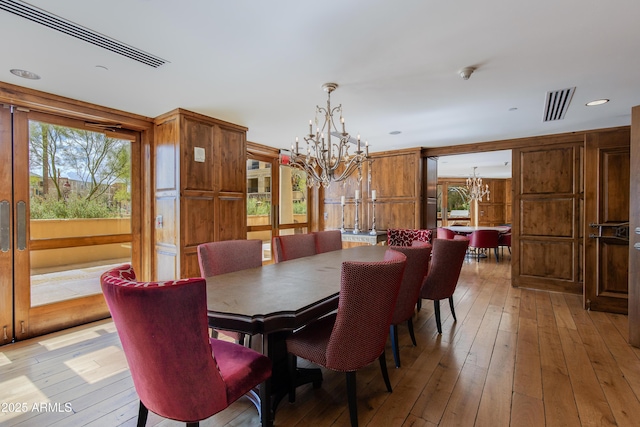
557, 104
67, 27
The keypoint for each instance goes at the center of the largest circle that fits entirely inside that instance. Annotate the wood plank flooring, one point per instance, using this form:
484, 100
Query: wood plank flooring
515, 357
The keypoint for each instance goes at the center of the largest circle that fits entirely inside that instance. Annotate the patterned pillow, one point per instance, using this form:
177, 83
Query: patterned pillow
405, 237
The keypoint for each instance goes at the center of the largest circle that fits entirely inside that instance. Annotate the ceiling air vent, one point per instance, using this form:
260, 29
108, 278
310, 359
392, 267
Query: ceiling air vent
67, 27
557, 104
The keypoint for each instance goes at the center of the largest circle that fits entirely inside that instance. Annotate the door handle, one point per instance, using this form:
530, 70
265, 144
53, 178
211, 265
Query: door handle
22, 225
5, 233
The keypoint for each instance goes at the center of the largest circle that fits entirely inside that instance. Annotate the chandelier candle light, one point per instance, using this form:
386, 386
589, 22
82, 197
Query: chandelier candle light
326, 161
476, 190
373, 205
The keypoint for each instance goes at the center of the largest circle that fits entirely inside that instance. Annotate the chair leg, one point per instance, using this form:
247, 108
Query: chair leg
411, 334
393, 333
196, 424
351, 397
495, 251
436, 308
385, 374
143, 413
419, 304
293, 362
453, 311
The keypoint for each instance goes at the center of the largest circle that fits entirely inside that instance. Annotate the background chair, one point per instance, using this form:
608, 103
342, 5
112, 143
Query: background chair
444, 233
484, 239
446, 262
293, 246
227, 256
414, 273
504, 240
356, 334
178, 371
328, 240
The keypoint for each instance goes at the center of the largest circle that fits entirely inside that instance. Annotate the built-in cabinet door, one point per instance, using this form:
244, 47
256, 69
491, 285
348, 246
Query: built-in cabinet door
607, 179
634, 228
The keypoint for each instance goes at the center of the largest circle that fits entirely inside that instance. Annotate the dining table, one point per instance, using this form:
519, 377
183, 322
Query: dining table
468, 229
275, 299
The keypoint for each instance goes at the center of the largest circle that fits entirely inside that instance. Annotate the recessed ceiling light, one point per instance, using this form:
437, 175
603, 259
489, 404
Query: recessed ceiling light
395, 132
25, 74
597, 102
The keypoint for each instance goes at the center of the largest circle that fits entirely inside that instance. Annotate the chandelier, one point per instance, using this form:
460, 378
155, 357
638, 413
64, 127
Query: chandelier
326, 161
476, 190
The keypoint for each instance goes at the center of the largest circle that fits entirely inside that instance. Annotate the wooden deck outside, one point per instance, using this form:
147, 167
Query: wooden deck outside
515, 357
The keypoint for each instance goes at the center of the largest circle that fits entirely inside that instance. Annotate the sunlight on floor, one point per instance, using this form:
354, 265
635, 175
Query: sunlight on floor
4, 360
19, 394
98, 365
70, 339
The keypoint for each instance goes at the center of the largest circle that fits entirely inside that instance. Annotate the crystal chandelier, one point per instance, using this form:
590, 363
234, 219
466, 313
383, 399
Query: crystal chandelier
326, 161
476, 190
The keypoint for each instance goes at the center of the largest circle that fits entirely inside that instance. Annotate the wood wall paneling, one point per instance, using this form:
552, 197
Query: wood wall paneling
209, 190
547, 211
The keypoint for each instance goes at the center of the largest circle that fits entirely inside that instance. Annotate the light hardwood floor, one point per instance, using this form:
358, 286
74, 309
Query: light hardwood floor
515, 357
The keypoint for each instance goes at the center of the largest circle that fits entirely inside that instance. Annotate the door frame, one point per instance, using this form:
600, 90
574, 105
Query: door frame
74, 312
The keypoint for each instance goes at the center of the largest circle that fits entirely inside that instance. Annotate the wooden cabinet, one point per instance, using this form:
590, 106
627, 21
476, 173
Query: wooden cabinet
200, 188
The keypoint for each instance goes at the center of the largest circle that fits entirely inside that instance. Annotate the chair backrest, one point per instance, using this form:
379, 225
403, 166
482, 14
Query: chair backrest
484, 239
444, 233
293, 246
228, 256
164, 334
505, 239
415, 271
328, 240
368, 293
406, 236
447, 257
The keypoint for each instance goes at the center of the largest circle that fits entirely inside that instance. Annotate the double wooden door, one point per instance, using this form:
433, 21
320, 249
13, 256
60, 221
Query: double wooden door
50, 261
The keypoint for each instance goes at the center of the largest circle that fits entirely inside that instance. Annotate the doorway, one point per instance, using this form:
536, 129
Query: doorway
66, 212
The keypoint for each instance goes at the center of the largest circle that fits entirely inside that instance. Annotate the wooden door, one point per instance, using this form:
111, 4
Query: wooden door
606, 200
634, 223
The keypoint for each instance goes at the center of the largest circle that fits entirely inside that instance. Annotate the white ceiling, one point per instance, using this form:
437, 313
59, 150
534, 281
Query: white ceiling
261, 64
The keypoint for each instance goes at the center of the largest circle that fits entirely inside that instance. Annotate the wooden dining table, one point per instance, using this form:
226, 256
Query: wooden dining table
467, 229
276, 299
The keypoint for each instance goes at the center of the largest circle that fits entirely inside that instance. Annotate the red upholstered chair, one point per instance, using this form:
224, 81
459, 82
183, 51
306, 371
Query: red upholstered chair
178, 371
484, 239
504, 239
406, 236
293, 246
446, 262
328, 240
227, 256
414, 273
356, 334
444, 233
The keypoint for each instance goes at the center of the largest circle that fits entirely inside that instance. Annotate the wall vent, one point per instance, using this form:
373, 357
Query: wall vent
54, 22
557, 104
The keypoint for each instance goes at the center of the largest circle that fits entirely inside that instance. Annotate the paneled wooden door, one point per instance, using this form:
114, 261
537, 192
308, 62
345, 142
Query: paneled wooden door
607, 180
51, 255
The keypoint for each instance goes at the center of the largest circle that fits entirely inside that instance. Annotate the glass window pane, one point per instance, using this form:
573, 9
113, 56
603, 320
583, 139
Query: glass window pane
258, 193
77, 174
293, 196
61, 274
